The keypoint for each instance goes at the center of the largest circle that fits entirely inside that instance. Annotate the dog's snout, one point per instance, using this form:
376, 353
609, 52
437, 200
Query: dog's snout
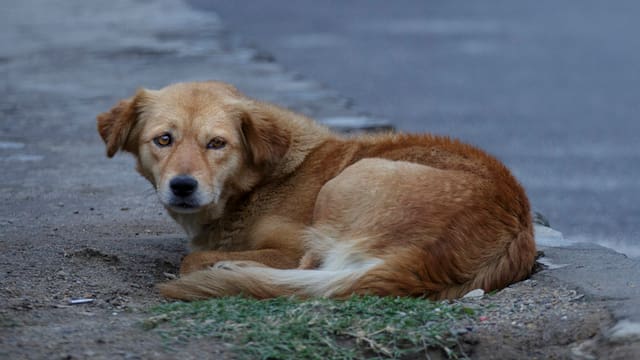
183, 185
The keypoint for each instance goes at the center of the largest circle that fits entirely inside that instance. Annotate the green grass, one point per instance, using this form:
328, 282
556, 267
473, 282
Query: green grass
284, 328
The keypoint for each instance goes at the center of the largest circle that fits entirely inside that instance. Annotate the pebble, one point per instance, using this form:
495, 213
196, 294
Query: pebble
624, 330
80, 301
584, 350
459, 331
477, 293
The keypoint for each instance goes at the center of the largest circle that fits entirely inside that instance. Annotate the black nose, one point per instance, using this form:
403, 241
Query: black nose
183, 185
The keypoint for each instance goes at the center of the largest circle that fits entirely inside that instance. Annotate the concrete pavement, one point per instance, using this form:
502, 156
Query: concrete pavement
605, 275
550, 87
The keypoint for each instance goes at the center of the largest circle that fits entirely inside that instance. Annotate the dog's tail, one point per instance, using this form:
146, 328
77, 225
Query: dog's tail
235, 278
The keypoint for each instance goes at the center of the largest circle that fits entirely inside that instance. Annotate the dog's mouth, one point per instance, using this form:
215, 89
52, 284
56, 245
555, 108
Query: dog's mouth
188, 203
184, 206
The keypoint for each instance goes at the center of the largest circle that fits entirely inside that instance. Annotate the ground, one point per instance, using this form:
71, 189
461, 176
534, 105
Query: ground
76, 225
537, 318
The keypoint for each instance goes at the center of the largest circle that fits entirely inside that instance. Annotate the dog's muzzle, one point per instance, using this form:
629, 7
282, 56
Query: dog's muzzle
184, 195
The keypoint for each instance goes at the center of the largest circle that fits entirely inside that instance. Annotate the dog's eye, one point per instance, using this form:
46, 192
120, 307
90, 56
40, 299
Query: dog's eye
163, 140
216, 143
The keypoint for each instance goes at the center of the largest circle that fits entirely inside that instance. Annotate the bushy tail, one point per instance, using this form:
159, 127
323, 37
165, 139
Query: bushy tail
235, 278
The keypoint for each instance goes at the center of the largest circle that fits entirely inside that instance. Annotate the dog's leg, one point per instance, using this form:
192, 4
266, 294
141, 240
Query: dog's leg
274, 241
268, 257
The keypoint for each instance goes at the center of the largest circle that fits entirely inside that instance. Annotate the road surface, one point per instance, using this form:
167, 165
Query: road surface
550, 87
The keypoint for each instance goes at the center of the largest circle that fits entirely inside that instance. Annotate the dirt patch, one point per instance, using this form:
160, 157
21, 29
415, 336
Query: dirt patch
535, 319
93, 254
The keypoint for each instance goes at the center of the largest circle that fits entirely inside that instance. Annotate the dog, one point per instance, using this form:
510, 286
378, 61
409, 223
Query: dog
277, 205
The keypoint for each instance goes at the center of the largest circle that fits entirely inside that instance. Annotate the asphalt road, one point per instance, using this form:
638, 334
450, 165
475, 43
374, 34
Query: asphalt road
550, 87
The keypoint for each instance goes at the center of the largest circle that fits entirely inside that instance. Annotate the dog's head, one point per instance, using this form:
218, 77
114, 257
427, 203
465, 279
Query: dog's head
197, 143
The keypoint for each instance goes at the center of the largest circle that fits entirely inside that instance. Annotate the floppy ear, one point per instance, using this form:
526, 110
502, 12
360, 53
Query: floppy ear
266, 140
115, 125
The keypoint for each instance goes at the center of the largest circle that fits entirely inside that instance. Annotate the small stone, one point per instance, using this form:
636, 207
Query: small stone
169, 276
546, 236
477, 293
81, 301
459, 331
540, 219
624, 330
585, 350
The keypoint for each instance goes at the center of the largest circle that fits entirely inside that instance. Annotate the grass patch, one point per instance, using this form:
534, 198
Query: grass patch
360, 327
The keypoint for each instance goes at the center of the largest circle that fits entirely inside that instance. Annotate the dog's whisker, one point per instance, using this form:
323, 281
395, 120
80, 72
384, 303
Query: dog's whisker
148, 193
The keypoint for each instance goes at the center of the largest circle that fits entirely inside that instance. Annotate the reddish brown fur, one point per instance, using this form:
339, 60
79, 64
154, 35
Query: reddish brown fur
380, 214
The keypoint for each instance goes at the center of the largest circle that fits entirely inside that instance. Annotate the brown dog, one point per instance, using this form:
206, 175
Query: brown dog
276, 204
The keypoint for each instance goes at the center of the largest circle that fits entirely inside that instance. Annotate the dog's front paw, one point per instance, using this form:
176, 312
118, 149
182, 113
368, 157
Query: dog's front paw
234, 264
196, 261
224, 265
